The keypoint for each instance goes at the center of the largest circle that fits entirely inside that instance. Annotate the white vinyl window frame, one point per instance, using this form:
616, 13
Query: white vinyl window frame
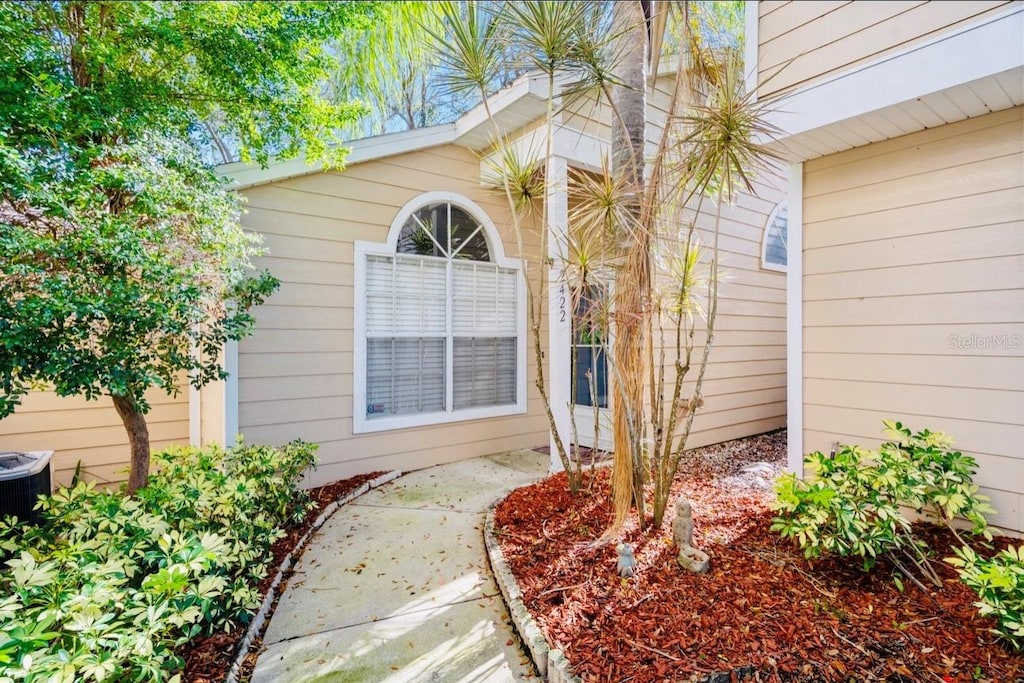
769, 226
360, 423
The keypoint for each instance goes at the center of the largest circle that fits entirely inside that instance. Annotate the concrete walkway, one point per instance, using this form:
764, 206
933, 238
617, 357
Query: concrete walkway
396, 587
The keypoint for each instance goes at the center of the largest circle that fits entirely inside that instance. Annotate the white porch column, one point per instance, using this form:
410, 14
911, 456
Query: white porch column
795, 321
559, 306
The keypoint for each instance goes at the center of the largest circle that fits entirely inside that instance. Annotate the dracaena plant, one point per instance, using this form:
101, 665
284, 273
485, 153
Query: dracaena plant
553, 38
634, 220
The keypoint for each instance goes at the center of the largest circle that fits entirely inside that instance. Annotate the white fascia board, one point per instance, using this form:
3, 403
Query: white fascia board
530, 87
579, 149
244, 175
986, 48
477, 116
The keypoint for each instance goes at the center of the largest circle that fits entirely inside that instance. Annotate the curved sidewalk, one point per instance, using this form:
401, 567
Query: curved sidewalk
395, 586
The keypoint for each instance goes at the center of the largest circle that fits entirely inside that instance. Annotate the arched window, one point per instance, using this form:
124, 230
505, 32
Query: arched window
440, 320
773, 249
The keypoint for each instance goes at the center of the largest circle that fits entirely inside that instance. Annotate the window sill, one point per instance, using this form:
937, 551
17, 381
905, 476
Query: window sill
363, 425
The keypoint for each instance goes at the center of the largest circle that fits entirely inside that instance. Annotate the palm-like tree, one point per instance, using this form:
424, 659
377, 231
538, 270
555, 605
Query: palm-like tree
634, 220
630, 47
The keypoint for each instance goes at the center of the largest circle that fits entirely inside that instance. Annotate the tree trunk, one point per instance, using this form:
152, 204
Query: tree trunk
138, 437
633, 283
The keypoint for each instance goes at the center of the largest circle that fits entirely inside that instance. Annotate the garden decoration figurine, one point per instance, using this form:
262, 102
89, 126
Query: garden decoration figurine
689, 558
626, 560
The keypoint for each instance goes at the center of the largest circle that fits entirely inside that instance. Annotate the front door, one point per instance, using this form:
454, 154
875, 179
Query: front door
590, 381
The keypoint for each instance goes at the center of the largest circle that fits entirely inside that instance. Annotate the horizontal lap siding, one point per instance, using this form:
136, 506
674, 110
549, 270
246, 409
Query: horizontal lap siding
296, 373
90, 432
803, 42
745, 385
914, 295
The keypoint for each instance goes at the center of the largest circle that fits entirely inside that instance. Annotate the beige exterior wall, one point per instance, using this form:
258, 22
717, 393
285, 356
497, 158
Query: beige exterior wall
914, 295
805, 41
745, 385
296, 373
90, 432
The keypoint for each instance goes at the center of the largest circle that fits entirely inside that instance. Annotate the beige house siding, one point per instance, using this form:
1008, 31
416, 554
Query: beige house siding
90, 432
806, 41
918, 243
745, 385
296, 373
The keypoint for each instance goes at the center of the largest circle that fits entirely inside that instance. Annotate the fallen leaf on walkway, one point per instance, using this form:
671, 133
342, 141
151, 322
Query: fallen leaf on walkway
208, 660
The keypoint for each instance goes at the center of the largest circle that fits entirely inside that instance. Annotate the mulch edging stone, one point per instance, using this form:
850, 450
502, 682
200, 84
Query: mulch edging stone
256, 626
765, 613
551, 664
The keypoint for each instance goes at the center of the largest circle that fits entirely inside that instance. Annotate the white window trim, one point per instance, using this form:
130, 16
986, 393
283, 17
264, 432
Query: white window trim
764, 238
360, 423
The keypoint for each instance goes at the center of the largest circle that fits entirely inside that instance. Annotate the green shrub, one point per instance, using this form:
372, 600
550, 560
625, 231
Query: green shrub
999, 583
107, 587
852, 503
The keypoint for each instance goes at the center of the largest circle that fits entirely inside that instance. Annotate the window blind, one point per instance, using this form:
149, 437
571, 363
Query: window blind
430, 319
484, 372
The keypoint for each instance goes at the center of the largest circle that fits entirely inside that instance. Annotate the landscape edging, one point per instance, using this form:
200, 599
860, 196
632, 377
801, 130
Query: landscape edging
551, 664
258, 621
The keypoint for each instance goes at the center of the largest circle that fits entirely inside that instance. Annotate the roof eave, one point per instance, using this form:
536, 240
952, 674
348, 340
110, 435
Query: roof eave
907, 91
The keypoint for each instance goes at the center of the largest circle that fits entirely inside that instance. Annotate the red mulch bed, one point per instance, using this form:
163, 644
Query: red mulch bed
208, 659
763, 613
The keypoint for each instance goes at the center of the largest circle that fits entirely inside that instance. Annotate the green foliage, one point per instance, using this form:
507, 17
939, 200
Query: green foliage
122, 264
472, 59
840, 510
852, 503
390, 66
112, 71
999, 583
107, 587
121, 275
119, 250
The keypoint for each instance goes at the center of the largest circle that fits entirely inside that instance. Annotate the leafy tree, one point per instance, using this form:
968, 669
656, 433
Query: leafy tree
81, 73
122, 264
401, 76
392, 69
